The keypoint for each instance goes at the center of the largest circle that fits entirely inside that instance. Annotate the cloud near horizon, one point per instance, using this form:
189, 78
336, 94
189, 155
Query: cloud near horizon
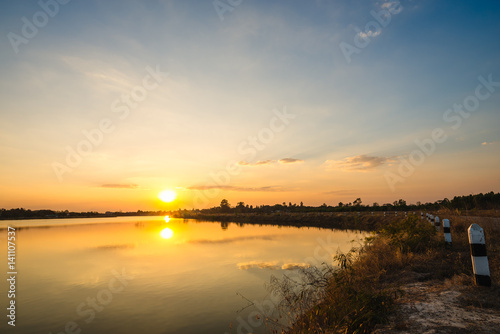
358, 163
120, 185
290, 161
340, 192
270, 162
237, 188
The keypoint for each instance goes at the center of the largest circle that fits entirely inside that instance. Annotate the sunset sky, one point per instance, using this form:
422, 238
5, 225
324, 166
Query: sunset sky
103, 104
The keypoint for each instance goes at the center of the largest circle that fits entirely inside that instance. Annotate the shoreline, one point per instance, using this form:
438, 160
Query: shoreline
405, 279
362, 222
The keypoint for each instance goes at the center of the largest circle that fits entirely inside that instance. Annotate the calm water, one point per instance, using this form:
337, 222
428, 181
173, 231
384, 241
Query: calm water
144, 275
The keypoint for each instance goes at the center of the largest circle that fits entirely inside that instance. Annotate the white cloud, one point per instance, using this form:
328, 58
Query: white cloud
369, 33
358, 163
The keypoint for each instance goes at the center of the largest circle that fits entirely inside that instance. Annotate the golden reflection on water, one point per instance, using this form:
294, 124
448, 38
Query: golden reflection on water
178, 271
167, 219
167, 233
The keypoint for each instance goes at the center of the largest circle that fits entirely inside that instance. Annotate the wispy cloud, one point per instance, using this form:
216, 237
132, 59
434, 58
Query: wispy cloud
114, 247
358, 163
120, 185
290, 161
237, 188
270, 162
486, 143
389, 4
369, 33
340, 192
258, 163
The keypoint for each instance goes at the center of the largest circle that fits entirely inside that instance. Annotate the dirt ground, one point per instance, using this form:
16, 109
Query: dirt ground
449, 307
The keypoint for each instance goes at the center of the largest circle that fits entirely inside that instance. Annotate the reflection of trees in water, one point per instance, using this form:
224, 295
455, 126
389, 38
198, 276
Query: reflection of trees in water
224, 225
140, 225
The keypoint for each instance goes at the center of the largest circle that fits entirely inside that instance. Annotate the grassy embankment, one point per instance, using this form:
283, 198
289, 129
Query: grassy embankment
360, 294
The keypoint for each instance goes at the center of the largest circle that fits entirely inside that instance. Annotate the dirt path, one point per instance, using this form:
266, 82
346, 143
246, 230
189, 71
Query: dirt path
434, 307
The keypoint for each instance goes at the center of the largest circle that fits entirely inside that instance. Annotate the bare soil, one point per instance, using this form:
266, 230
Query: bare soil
445, 307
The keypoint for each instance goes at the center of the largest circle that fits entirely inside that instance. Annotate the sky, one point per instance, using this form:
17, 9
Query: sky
103, 104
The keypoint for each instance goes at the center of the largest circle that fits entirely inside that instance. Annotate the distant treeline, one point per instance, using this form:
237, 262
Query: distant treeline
481, 201
21, 213
488, 201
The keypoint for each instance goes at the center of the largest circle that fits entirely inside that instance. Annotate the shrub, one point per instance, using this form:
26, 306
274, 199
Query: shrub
410, 234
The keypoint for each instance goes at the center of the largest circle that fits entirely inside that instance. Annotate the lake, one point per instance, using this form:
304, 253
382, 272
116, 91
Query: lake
147, 275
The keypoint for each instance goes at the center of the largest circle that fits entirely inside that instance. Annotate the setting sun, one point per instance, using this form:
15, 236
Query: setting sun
167, 195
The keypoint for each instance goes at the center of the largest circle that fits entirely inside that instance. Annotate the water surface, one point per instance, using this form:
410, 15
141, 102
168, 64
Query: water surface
144, 275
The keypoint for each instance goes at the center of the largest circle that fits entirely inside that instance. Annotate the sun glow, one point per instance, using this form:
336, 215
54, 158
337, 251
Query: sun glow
167, 196
167, 219
166, 233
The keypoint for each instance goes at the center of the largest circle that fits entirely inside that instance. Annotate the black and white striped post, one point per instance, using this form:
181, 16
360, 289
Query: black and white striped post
478, 254
447, 231
437, 223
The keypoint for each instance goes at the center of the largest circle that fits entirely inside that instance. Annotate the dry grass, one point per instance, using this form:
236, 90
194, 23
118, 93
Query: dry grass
361, 293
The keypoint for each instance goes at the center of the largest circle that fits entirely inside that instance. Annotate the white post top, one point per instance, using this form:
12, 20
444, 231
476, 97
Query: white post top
446, 222
437, 219
476, 234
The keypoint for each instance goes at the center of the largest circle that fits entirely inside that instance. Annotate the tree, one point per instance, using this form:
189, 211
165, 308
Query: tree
357, 202
240, 207
224, 205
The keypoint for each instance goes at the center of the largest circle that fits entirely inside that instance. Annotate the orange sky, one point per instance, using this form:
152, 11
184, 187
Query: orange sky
264, 105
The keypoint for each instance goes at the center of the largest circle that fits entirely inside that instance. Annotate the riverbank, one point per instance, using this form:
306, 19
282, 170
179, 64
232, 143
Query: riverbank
342, 221
406, 280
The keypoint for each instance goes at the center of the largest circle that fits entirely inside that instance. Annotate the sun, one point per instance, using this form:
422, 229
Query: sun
167, 196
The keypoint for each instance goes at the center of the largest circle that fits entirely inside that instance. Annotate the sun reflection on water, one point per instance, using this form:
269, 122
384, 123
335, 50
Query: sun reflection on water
167, 233
167, 219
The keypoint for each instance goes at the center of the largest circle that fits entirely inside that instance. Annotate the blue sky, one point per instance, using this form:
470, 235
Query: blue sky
353, 121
